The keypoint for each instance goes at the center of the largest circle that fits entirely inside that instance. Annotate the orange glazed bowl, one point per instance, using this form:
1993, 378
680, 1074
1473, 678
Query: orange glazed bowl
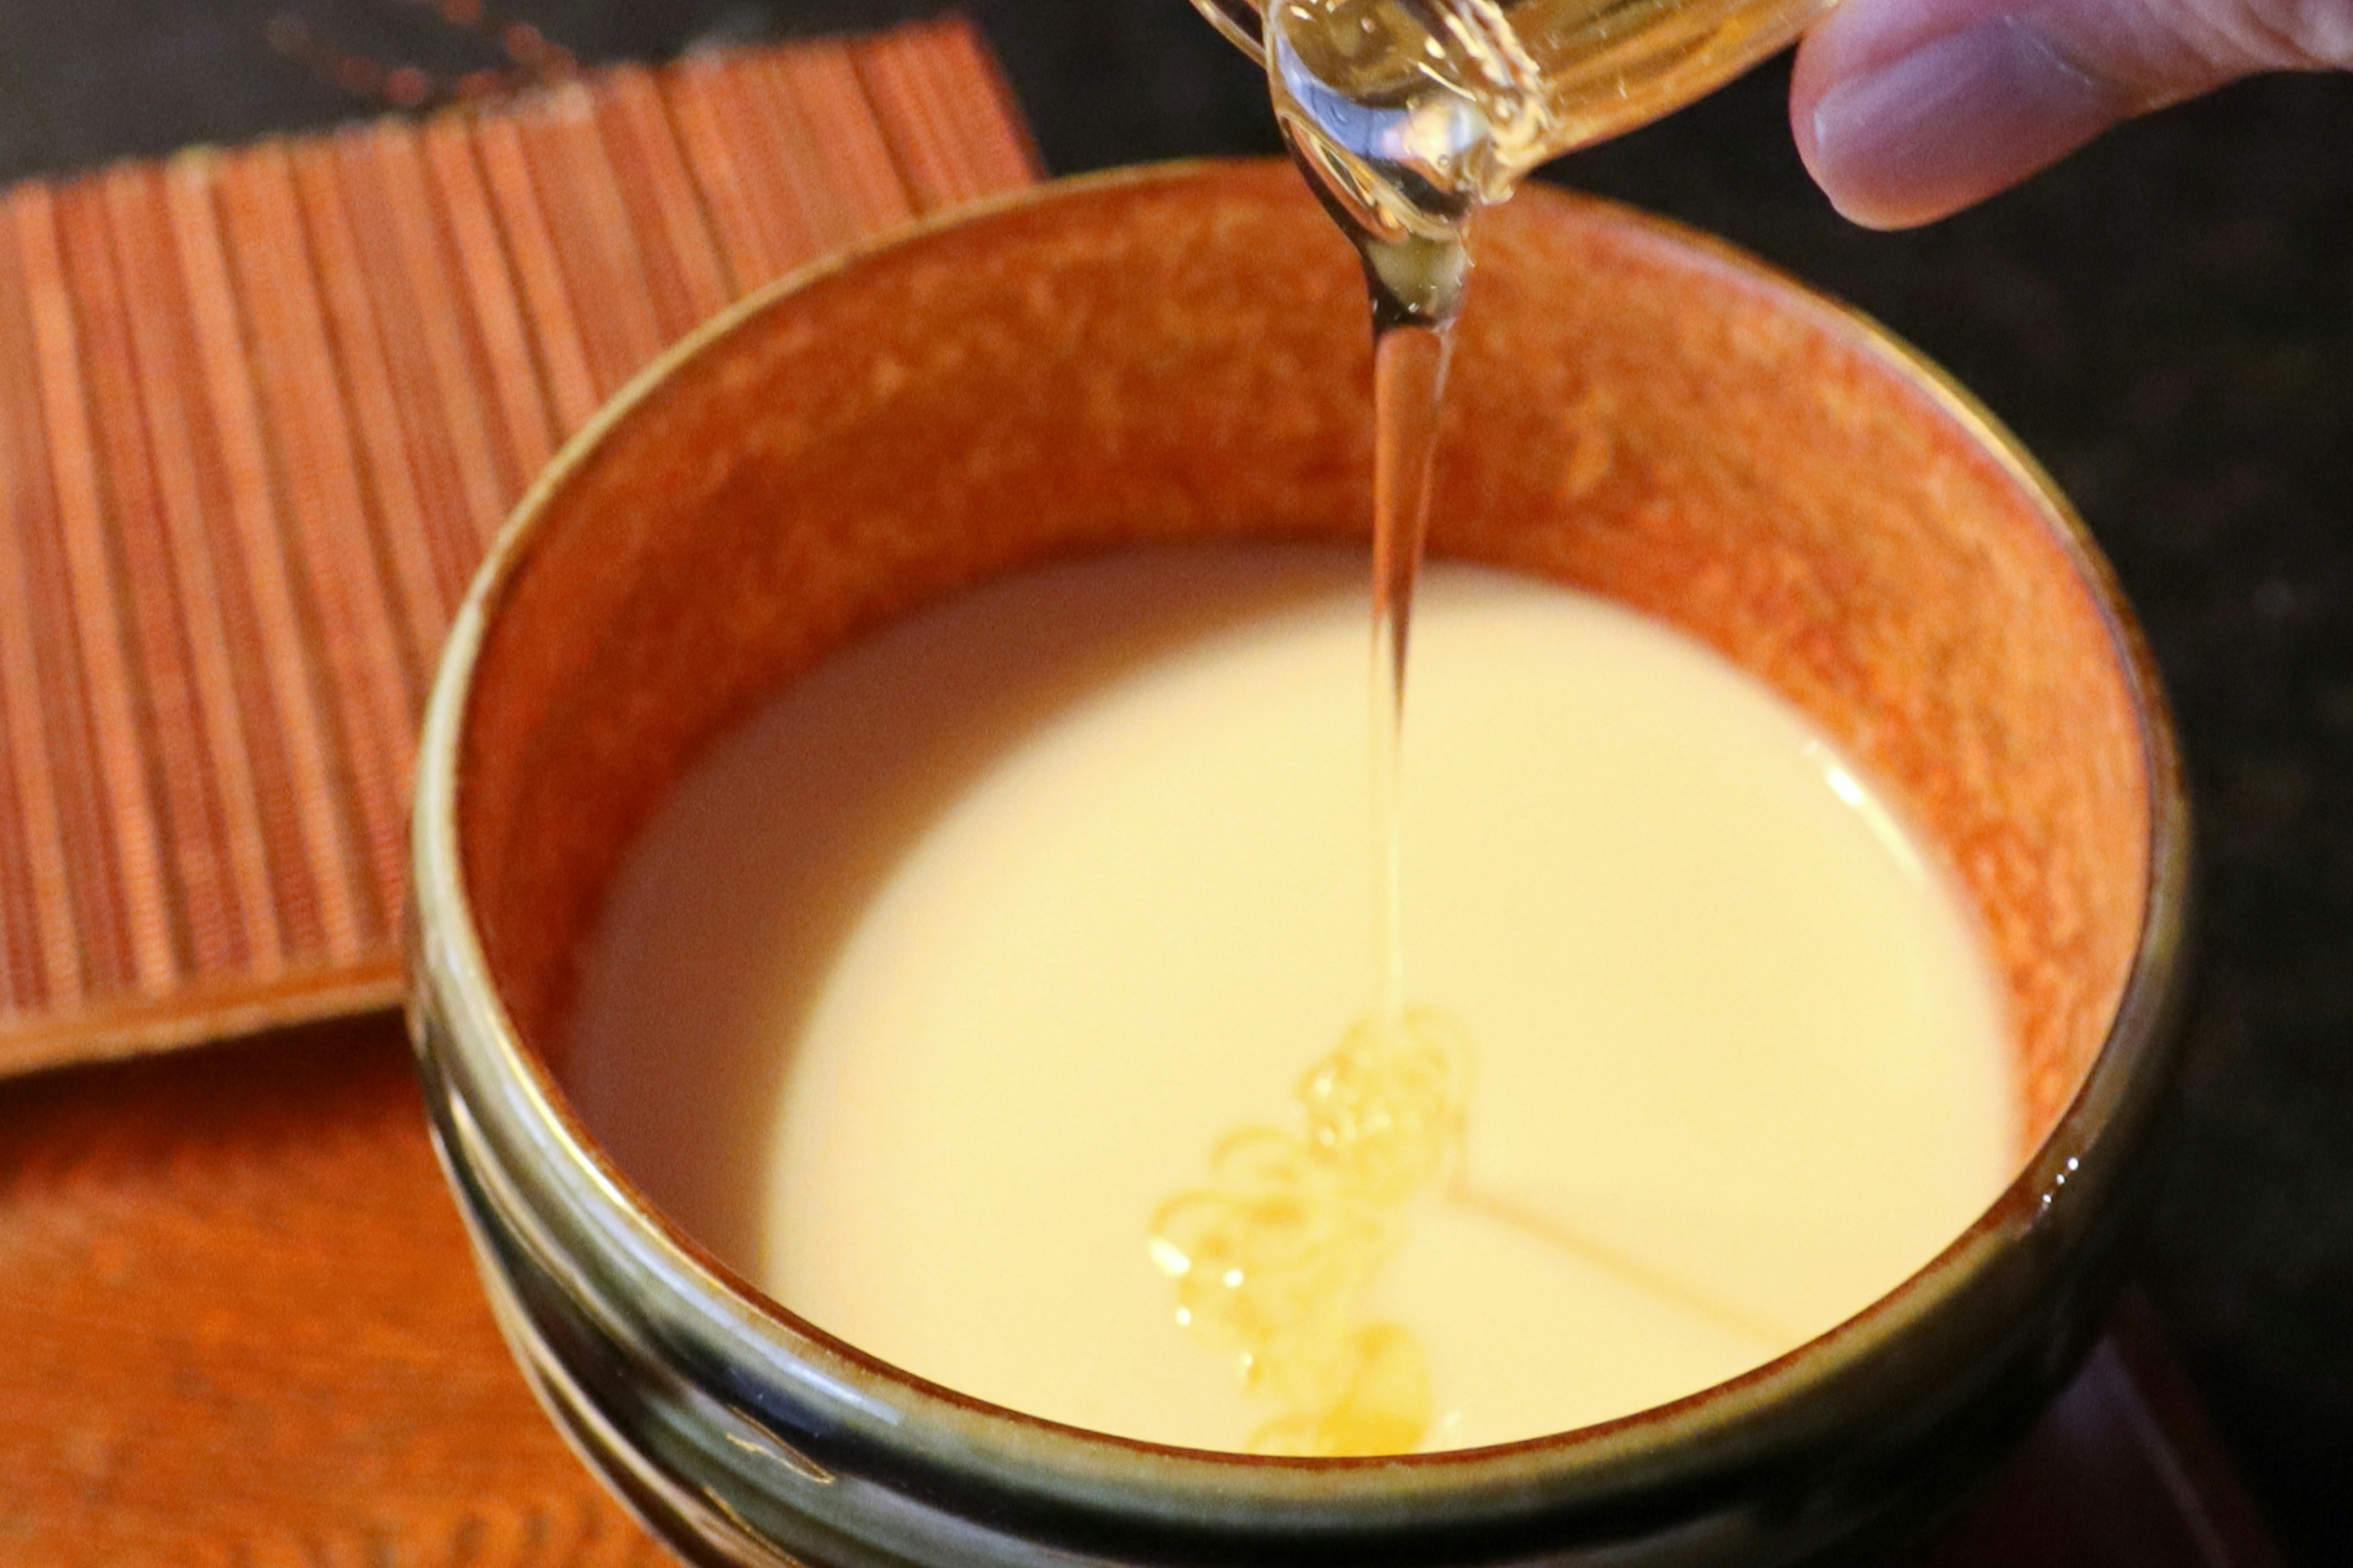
1178, 354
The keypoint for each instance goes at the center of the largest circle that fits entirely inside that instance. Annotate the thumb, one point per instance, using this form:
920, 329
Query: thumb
1907, 110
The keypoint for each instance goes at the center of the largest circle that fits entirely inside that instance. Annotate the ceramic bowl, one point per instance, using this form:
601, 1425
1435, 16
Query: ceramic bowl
1181, 353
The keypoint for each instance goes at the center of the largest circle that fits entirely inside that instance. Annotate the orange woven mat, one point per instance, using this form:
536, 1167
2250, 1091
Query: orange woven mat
260, 411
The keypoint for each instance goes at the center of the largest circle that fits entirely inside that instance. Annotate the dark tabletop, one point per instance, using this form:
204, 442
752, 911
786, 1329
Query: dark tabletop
2167, 319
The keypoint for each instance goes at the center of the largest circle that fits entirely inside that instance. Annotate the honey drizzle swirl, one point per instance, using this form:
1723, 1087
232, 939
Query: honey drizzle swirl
1273, 1259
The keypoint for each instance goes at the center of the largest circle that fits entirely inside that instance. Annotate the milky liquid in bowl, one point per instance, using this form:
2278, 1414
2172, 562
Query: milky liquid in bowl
934, 979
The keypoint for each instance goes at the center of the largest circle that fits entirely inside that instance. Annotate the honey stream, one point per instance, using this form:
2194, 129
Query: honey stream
1272, 1260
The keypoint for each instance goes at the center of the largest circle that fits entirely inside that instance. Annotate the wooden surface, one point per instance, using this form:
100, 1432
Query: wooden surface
260, 411
241, 1327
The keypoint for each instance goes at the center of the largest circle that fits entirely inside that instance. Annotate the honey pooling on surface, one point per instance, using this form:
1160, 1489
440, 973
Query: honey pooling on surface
1273, 1259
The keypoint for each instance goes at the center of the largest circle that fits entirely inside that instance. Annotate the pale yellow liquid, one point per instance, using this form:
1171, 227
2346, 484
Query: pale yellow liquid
1410, 115
1547, 76
936, 980
1406, 116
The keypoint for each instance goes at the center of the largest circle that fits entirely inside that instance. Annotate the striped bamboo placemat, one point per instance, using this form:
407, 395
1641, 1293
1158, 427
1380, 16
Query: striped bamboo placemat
261, 410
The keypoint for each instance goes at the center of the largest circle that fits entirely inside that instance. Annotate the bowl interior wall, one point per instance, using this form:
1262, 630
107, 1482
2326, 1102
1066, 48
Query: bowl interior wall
1185, 357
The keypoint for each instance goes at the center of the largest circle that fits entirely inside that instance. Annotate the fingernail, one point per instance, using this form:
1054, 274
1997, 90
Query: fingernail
1951, 122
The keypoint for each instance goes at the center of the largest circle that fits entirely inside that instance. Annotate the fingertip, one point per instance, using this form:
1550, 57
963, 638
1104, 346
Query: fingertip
1808, 82
1855, 196
1901, 123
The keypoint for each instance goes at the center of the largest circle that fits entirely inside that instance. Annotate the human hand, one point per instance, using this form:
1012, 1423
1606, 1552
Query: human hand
1907, 110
